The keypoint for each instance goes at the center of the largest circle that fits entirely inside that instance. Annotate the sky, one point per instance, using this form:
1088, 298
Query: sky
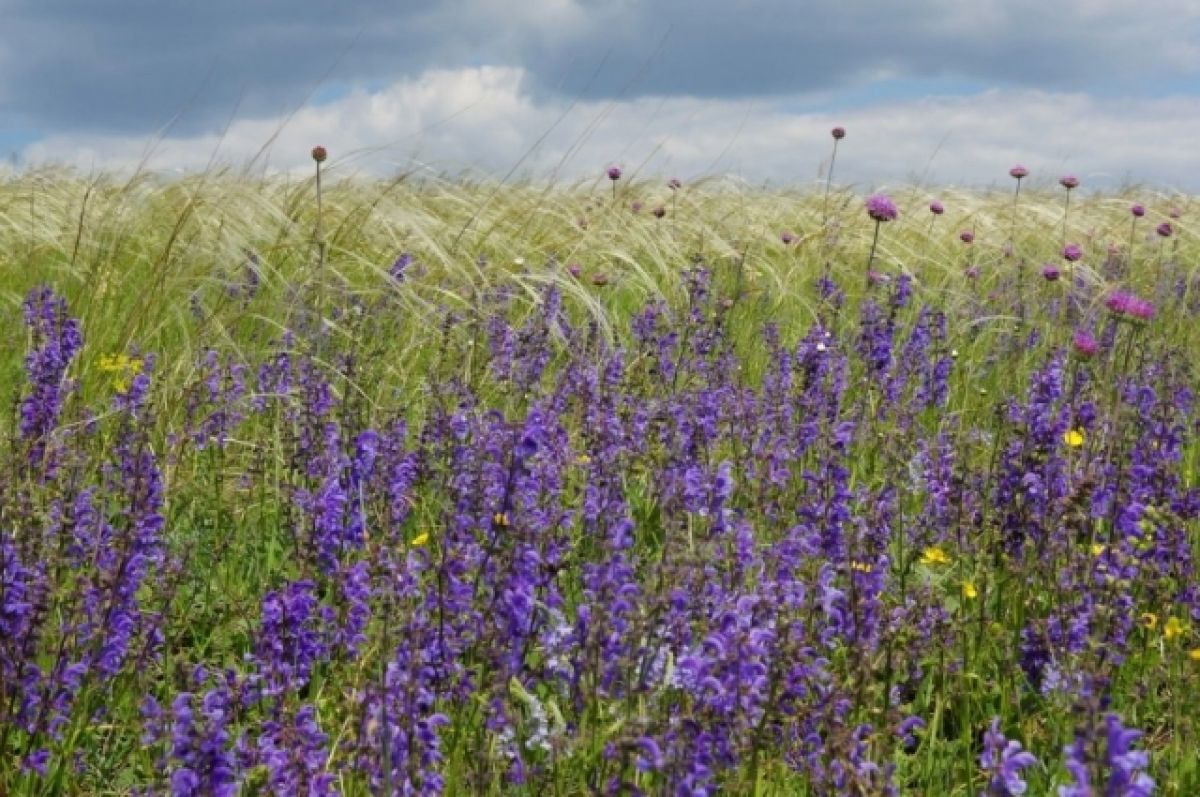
937, 92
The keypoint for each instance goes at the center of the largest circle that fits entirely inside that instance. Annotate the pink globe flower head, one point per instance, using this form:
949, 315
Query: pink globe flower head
636, 206
1050, 272
319, 154
1084, 344
1164, 230
881, 208
874, 277
1072, 253
1068, 181
574, 269
1175, 212
966, 236
1137, 210
659, 212
674, 184
972, 272
936, 208
614, 173
1018, 172
1128, 306
788, 237
838, 133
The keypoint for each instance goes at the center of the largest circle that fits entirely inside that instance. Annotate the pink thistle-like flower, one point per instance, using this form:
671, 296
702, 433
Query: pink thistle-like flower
972, 272
1164, 230
1072, 253
1050, 272
881, 208
936, 208
319, 154
1137, 210
1084, 344
1175, 212
966, 236
1127, 305
674, 184
1018, 171
838, 133
788, 237
659, 212
614, 173
1068, 181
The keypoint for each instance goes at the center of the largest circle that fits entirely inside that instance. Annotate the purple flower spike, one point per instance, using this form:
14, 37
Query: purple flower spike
1018, 171
1072, 253
880, 207
1137, 210
936, 208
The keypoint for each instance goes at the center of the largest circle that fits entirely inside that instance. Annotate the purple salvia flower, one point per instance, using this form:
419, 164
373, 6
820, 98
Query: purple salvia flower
1002, 760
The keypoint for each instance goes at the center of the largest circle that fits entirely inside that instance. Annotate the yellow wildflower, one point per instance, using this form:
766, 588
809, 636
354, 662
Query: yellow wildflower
969, 591
583, 459
501, 519
1098, 549
1173, 628
934, 555
862, 567
122, 367
1194, 654
1073, 438
420, 539
1149, 620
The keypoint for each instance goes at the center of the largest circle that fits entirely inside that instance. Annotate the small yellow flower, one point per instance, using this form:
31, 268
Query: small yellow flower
583, 459
1173, 628
1194, 654
1098, 549
501, 519
420, 539
862, 567
122, 367
1073, 438
969, 591
1149, 620
934, 555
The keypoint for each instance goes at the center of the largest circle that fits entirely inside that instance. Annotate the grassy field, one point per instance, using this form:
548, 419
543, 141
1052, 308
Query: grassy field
438, 486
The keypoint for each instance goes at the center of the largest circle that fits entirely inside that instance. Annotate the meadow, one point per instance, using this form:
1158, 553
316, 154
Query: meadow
447, 486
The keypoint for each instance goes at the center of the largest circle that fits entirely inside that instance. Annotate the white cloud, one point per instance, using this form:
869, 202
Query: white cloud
486, 118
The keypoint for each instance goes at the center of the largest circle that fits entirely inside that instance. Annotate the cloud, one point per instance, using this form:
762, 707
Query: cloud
491, 119
132, 65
